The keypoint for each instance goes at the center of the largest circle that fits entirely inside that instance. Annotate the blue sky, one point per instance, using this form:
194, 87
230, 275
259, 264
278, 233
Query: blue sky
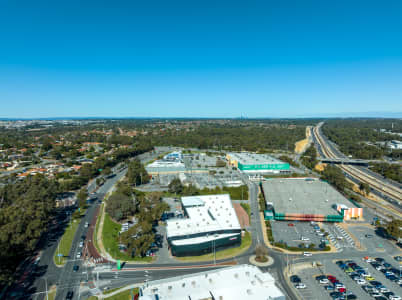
199, 58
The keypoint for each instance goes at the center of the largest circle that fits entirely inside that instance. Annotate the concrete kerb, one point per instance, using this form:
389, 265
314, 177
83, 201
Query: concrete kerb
268, 263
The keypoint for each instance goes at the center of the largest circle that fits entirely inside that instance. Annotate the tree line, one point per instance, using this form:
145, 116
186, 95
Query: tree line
26, 207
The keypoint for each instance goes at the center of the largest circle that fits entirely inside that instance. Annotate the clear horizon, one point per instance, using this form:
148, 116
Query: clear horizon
207, 60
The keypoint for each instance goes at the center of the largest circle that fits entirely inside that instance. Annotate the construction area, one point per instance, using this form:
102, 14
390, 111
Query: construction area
306, 199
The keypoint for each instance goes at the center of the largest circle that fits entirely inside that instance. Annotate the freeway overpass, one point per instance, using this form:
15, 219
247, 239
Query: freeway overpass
345, 161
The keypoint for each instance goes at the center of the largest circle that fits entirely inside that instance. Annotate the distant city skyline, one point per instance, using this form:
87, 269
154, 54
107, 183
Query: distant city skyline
224, 59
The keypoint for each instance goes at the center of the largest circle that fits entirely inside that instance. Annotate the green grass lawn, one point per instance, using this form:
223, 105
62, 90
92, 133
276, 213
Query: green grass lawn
246, 208
223, 254
94, 238
65, 243
110, 238
126, 295
112, 290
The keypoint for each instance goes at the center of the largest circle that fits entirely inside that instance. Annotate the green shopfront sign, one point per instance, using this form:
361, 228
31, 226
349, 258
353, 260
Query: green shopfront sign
284, 166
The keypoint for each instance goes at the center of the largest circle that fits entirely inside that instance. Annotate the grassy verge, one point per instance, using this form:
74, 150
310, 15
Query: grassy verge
52, 294
126, 295
247, 208
92, 298
94, 238
112, 290
269, 232
110, 239
223, 254
65, 243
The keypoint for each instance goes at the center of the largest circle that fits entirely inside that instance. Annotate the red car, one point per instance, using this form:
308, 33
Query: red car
330, 277
342, 290
334, 280
291, 224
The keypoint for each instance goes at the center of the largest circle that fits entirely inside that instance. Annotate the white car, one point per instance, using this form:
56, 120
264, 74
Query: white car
79, 255
324, 281
307, 253
304, 238
81, 244
361, 281
339, 286
394, 297
384, 290
300, 286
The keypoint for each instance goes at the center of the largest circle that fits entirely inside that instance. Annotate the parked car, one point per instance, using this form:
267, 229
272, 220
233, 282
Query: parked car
307, 253
70, 295
300, 286
75, 268
295, 279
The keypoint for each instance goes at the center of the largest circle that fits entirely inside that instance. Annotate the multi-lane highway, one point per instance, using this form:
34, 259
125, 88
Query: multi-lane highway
385, 189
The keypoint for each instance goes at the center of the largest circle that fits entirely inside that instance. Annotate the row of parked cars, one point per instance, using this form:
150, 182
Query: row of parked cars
368, 283
337, 290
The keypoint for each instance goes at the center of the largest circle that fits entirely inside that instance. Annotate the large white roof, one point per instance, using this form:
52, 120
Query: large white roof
205, 214
237, 282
